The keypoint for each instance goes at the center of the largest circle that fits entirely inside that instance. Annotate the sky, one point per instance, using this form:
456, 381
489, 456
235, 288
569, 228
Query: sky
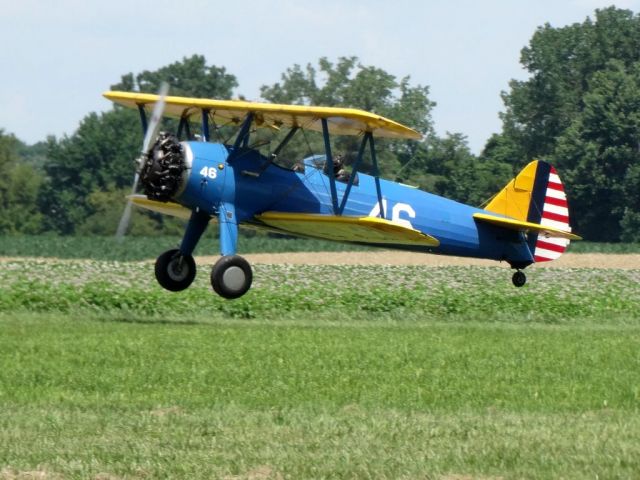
56, 58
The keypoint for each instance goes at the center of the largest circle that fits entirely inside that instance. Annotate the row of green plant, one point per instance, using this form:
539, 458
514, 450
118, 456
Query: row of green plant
445, 293
145, 248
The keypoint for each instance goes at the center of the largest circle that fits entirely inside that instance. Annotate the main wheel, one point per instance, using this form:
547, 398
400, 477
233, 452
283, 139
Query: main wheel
174, 271
519, 279
231, 276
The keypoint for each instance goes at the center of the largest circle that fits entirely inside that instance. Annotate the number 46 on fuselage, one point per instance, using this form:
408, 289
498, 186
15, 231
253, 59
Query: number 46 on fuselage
233, 184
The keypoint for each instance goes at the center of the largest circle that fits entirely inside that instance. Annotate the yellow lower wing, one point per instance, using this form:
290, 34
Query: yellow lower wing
166, 208
328, 227
525, 226
347, 229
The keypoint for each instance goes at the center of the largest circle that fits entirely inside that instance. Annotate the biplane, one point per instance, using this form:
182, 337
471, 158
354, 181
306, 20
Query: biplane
232, 183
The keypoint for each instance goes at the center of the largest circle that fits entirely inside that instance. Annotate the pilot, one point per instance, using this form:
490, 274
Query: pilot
339, 172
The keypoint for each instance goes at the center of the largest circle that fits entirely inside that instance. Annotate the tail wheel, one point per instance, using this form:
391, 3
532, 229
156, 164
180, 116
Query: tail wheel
175, 271
519, 279
231, 276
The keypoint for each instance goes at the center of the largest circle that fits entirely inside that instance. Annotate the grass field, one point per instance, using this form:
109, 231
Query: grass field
319, 372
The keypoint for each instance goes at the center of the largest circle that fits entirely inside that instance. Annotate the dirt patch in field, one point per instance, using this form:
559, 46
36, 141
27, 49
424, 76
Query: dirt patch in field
9, 474
260, 473
390, 257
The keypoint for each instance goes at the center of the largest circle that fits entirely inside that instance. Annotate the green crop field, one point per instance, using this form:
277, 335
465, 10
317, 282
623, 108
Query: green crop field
141, 248
318, 372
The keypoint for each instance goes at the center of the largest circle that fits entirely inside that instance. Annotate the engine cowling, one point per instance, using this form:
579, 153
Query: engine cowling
163, 168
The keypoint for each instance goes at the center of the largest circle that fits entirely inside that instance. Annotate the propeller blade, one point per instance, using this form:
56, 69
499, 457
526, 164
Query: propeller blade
156, 117
124, 221
152, 132
126, 215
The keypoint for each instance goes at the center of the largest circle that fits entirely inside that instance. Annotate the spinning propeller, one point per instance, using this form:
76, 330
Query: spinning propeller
151, 133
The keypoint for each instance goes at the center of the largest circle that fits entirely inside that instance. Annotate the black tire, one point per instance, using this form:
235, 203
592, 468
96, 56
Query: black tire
231, 276
519, 279
174, 271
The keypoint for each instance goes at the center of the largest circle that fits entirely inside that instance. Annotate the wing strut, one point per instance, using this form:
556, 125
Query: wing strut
368, 138
285, 141
278, 149
376, 172
329, 163
243, 135
354, 171
143, 118
183, 126
205, 125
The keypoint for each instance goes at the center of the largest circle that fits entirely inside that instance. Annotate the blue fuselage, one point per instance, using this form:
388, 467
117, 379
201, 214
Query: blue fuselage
252, 185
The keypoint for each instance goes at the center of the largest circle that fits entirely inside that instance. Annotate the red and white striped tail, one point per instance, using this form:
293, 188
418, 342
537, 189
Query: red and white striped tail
555, 213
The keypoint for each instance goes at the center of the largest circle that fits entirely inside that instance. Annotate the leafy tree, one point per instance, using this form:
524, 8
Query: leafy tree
348, 83
561, 62
447, 167
98, 156
599, 155
34, 155
579, 111
105, 218
191, 77
19, 185
351, 84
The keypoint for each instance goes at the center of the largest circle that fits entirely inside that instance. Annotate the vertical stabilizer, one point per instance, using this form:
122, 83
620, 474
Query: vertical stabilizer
536, 195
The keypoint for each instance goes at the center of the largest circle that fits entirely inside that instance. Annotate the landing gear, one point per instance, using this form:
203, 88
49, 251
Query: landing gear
519, 279
231, 276
175, 271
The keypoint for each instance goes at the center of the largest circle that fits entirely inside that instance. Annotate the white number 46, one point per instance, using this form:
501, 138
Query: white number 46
209, 172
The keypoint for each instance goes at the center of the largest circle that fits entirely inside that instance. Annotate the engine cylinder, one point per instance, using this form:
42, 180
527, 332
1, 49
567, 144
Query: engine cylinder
163, 166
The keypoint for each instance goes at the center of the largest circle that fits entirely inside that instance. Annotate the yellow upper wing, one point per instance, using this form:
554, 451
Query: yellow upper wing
369, 230
341, 121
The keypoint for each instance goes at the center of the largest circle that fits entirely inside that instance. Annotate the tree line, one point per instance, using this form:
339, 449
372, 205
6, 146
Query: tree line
579, 110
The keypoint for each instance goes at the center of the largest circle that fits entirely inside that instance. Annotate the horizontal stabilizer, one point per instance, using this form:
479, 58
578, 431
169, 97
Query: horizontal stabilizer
513, 224
370, 230
166, 208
